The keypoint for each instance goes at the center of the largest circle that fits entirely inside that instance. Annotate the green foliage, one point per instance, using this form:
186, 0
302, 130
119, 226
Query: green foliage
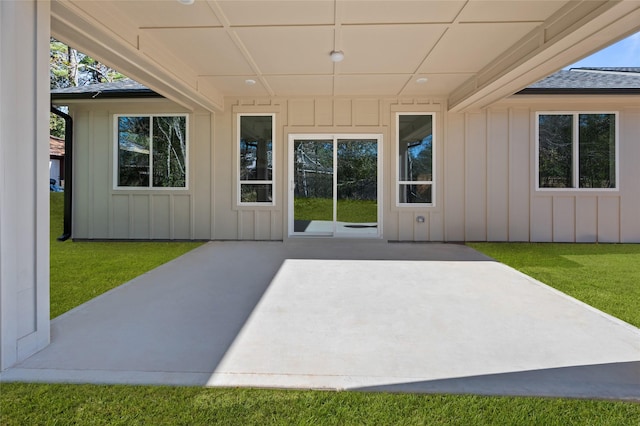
70, 68
56, 126
32, 404
602, 275
81, 271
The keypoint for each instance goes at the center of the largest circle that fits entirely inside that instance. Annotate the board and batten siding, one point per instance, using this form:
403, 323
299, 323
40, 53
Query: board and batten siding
102, 212
490, 177
485, 182
319, 116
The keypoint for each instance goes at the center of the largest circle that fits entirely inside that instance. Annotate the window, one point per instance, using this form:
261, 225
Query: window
577, 150
256, 159
151, 151
415, 136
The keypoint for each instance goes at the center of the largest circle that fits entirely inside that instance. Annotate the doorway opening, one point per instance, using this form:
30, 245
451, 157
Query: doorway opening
335, 185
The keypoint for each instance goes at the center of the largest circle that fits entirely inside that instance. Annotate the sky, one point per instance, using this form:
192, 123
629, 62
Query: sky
625, 53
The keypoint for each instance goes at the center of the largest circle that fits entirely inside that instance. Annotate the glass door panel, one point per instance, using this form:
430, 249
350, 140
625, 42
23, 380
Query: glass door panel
313, 187
357, 187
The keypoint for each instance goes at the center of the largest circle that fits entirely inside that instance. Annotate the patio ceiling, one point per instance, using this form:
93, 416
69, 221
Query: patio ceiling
471, 52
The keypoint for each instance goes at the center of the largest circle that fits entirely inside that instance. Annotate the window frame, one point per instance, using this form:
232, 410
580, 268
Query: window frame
433, 180
575, 141
239, 182
116, 163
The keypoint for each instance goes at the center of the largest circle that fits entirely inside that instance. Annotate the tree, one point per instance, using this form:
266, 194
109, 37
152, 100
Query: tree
70, 68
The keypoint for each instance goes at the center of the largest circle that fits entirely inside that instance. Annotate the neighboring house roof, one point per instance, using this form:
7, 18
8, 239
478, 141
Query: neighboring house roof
594, 80
125, 88
56, 146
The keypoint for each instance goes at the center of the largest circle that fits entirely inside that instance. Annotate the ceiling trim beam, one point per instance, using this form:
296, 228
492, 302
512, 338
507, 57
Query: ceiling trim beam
556, 44
74, 27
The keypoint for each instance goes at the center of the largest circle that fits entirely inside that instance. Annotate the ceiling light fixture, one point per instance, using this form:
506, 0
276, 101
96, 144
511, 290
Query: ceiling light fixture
422, 80
249, 82
337, 55
186, 2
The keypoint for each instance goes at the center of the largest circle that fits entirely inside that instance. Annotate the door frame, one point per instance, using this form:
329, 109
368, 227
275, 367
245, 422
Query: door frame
292, 137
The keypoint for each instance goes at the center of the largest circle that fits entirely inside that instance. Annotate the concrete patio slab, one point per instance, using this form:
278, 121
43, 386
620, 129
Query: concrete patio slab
342, 315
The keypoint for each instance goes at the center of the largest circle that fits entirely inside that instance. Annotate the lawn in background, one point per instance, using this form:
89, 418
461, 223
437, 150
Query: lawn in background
31, 404
81, 271
605, 276
352, 211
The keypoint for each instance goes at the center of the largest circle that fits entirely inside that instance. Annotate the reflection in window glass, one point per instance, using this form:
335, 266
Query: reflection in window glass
256, 148
169, 152
415, 158
152, 146
255, 193
597, 151
577, 150
416, 193
133, 151
555, 151
415, 148
256, 158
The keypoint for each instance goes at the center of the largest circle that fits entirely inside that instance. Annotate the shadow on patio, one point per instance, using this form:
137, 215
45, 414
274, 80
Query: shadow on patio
342, 315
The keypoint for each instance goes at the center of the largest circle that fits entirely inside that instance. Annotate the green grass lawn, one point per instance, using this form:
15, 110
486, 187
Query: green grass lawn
606, 276
81, 271
601, 275
354, 211
31, 404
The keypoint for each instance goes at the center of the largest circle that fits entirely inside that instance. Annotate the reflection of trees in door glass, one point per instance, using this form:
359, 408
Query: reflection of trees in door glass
313, 166
357, 170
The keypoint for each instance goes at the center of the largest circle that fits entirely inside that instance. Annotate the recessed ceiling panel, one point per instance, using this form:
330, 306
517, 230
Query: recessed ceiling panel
393, 49
266, 13
470, 47
289, 50
383, 85
293, 85
236, 86
505, 11
208, 51
436, 84
398, 11
167, 13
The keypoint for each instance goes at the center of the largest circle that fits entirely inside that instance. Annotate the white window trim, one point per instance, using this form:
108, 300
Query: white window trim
575, 148
397, 180
239, 182
117, 147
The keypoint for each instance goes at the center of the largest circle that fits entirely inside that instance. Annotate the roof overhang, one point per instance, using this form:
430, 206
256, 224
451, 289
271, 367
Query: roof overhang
473, 52
547, 50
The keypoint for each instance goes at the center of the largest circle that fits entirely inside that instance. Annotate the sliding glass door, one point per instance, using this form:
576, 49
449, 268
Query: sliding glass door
334, 185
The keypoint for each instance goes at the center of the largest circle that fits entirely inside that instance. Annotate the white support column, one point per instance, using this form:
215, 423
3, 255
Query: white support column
24, 176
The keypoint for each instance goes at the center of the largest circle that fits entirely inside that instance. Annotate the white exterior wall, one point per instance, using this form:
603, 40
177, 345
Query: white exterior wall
102, 212
24, 176
485, 174
491, 179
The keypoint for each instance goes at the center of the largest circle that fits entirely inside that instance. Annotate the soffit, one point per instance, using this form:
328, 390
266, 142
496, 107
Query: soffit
213, 46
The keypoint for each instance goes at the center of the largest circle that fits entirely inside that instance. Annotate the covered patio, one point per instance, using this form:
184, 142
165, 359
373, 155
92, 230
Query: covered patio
230, 301
342, 315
